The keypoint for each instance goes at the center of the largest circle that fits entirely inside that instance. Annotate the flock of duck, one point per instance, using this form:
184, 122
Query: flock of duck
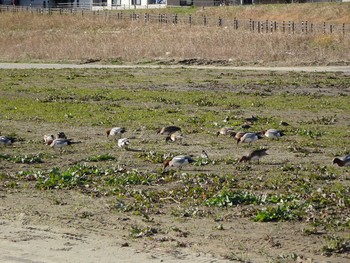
173, 133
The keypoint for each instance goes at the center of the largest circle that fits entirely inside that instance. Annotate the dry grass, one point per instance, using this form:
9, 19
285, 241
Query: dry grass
315, 12
73, 37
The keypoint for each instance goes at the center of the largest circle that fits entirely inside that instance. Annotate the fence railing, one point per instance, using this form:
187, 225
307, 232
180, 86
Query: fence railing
258, 26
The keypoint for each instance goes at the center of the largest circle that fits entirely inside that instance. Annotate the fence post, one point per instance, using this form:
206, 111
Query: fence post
306, 27
283, 26
259, 26
302, 27
293, 27
343, 28
205, 20
190, 20
220, 22
331, 29
324, 27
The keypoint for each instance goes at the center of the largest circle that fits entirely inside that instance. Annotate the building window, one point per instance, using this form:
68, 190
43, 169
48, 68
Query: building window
136, 2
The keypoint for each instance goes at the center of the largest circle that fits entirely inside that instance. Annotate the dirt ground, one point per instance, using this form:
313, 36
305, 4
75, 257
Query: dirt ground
69, 226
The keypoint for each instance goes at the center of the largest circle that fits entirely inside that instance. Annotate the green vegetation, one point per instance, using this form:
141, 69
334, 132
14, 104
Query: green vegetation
297, 182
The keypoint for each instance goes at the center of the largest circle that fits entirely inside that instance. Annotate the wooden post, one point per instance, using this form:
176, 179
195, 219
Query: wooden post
306, 27
220, 22
331, 29
324, 27
283, 26
259, 26
205, 20
190, 20
302, 27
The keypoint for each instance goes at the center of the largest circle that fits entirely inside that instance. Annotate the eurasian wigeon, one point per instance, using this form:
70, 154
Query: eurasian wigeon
254, 155
273, 133
178, 161
115, 131
226, 131
4, 140
48, 138
168, 130
343, 161
59, 143
249, 137
237, 136
123, 143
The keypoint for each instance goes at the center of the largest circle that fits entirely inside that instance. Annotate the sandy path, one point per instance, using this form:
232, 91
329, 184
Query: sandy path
39, 244
345, 69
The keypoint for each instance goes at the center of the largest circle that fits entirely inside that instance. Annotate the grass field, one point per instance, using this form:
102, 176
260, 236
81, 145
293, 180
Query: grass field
295, 196
294, 206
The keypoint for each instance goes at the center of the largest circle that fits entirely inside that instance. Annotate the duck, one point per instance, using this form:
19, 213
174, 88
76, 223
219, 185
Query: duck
249, 137
254, 155
343, 161
60, 142
237, 135
178, 161
176, 136
48, 138
226, 131
115, 131
168, 130
123, 143
4, 140
273, 133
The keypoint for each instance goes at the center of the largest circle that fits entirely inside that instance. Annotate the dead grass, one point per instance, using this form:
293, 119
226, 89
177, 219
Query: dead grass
315, 12
73, 37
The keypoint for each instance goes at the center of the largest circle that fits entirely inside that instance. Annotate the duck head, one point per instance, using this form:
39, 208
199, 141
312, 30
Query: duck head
166, 164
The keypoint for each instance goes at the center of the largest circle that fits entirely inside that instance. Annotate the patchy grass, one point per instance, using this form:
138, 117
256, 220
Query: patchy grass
296, 182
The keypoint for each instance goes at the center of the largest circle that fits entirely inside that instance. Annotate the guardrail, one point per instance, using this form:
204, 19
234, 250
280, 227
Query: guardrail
252, 25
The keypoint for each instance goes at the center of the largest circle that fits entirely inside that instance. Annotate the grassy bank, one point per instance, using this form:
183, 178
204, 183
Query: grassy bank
29, 37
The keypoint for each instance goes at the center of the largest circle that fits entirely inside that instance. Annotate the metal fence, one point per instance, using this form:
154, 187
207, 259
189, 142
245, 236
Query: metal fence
257, 26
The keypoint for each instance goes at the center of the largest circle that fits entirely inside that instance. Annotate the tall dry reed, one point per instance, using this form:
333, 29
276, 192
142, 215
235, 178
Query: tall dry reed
74, 37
